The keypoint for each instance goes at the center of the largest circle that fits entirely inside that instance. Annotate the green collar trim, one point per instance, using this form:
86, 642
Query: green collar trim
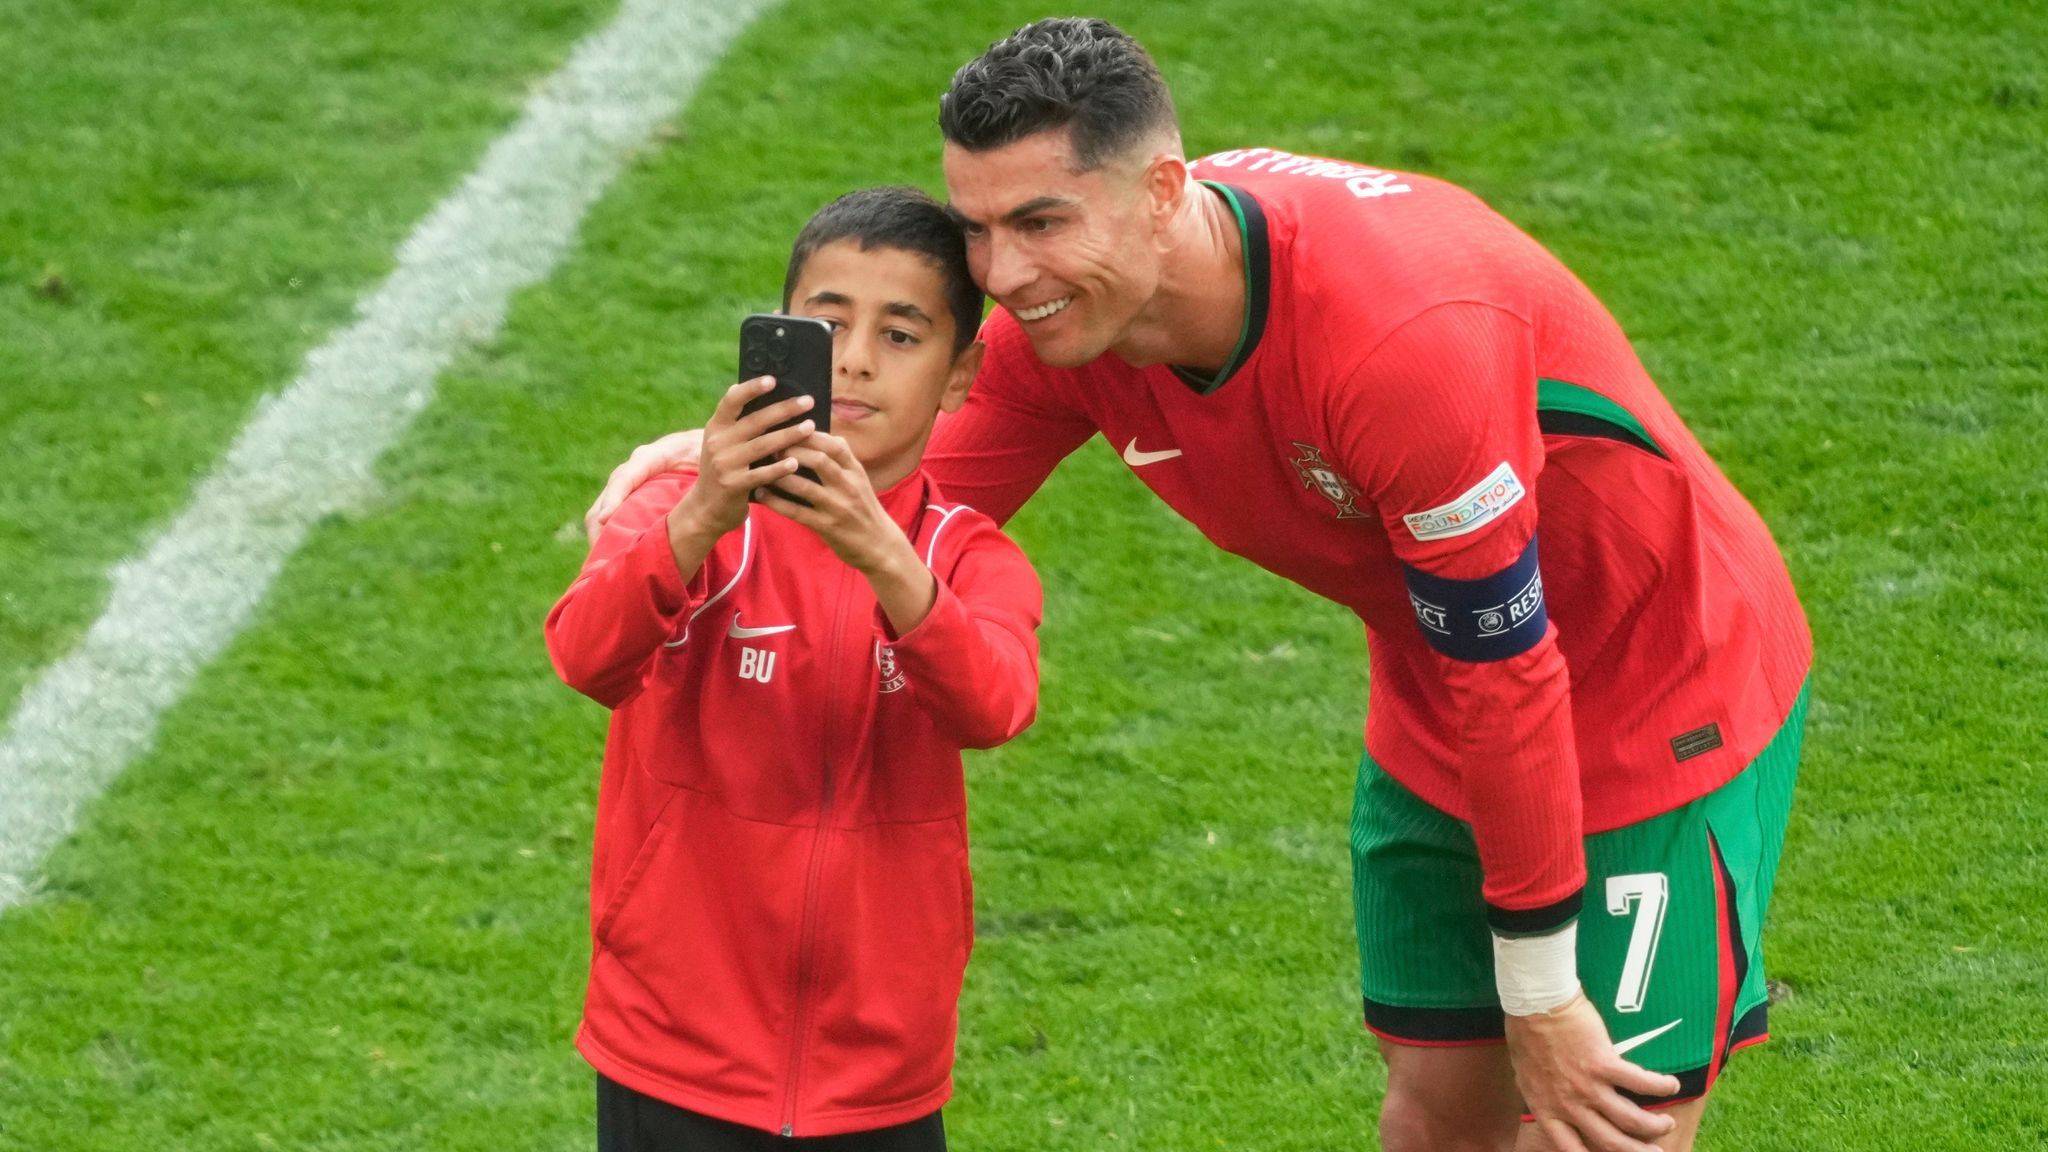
1258, 277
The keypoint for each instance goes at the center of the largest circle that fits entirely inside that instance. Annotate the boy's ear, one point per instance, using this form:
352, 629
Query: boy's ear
960, 377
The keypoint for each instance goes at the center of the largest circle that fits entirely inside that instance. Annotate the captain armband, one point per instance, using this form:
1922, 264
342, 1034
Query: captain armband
1491, 618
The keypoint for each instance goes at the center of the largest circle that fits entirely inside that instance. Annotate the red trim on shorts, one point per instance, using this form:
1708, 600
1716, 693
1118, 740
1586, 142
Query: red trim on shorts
1750, 1042
1725, 946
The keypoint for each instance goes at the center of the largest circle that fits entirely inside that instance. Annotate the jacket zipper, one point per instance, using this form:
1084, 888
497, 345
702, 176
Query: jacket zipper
807, 934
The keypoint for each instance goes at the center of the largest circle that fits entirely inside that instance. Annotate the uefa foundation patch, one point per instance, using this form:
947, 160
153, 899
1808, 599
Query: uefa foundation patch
1479, 506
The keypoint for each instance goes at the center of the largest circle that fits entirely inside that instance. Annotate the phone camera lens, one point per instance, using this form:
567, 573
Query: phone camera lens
781, 332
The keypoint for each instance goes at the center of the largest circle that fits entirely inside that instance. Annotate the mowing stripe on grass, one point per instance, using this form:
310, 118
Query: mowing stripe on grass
309, 451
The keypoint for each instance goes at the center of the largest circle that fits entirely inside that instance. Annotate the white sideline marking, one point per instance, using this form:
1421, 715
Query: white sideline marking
309, 451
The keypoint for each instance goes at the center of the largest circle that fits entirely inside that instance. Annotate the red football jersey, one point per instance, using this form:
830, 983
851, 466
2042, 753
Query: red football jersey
1424, 404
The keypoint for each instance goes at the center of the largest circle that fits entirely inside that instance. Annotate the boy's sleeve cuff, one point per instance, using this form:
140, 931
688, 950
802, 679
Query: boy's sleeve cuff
946, 615
653, 562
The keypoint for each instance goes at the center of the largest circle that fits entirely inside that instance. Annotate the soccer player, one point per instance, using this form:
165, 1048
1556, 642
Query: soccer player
780, 906
1588, 663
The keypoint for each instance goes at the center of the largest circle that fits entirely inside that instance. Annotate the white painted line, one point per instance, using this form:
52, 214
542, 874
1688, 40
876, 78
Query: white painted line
309, 451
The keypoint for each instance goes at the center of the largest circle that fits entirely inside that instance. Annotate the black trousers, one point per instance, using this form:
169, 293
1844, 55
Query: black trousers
629, 1121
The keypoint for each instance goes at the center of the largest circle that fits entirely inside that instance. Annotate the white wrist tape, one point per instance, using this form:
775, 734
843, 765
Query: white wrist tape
1537, 974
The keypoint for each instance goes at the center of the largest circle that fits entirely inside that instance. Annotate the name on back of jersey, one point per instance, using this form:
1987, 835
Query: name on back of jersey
1362, 182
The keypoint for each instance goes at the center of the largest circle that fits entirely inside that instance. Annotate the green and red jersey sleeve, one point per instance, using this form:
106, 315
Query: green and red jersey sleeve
1437, 424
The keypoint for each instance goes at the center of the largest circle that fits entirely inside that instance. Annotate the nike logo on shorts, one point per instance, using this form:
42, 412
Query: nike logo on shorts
1137, 459
738, 633
1640, 1039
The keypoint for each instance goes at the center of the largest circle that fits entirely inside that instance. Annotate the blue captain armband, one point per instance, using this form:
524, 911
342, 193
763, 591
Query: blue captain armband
1491, 618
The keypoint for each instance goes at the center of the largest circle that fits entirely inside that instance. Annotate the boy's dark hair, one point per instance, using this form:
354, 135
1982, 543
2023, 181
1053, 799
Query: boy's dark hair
906, 219
1065, 72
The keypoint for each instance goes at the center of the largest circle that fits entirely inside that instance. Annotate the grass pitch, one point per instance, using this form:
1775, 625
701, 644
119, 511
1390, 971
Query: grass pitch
341, 906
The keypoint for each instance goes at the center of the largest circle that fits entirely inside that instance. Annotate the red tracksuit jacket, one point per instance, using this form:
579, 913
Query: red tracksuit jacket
780, 903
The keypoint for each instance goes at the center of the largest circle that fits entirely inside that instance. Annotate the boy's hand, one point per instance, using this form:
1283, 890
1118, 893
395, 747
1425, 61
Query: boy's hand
726, 475
844, 510
845, 513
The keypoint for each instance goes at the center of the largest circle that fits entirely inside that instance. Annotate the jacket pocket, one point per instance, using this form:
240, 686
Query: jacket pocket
643, 859
694, 979
910, 774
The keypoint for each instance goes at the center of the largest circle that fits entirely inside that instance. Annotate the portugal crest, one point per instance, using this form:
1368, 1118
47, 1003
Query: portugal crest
1316, 473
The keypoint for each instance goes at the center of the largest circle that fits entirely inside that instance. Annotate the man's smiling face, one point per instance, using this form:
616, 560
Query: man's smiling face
1070, 254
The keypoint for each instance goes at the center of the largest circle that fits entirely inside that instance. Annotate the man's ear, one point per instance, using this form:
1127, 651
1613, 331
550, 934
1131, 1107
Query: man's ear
961, 377
1165, 185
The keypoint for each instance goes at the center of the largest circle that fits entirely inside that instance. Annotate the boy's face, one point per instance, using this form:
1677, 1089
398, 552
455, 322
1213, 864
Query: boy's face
893, 367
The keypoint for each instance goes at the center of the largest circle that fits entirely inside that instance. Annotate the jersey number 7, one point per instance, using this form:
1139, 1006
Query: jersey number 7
1646, 893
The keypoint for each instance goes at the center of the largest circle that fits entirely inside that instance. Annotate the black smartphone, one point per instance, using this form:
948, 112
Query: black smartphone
797, 351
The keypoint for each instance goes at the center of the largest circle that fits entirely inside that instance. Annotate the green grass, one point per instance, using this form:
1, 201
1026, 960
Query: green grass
341, 906
194, 196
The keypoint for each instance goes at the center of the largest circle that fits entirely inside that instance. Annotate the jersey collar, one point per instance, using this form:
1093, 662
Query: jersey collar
905, 500
1258, 279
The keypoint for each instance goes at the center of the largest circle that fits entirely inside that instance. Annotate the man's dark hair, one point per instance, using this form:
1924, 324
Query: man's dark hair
1066, 72
908, 220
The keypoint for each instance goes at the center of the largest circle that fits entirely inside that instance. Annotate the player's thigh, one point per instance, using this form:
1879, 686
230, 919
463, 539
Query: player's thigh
1671, 938
1688, 1114
1425, 952
1426, 965
1670, 945
1448, 1099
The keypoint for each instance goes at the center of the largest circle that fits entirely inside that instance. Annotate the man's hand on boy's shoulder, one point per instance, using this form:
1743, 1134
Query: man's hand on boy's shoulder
677, 450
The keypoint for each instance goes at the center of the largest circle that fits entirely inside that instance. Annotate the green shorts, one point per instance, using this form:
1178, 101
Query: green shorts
1670, 941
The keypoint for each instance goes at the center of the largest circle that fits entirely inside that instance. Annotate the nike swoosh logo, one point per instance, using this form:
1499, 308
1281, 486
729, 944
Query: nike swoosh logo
1634, 1042
1137, 459
738, 633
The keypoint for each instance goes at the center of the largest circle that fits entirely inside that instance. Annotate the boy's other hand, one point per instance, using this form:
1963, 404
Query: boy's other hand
847, 515
844, 510
731, 445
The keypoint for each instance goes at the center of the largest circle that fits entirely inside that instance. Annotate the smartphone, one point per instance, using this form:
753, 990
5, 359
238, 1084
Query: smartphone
797, 351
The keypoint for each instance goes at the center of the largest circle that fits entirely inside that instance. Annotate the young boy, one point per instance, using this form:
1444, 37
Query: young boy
780, 900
